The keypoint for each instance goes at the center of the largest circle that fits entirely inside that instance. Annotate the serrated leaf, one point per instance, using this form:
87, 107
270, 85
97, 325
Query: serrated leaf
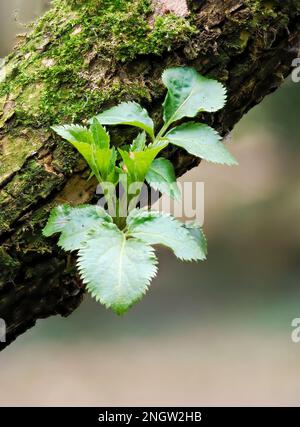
74, 224
93, 145
197, 233
190, 93
139, 142
74, 133
121, 283
156, 228
161, 177
128, 113
201, 141
100, 136
82, 139
58, 219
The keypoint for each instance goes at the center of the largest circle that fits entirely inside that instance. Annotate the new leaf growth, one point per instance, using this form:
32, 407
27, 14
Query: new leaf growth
100, 236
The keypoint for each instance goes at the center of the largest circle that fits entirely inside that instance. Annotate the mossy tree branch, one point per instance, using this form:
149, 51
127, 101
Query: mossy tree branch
84, 56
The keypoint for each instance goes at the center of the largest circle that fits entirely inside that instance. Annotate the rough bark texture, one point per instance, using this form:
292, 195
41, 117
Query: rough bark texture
84, 56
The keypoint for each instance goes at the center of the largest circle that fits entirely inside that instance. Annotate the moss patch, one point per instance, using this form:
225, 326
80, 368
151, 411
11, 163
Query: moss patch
72, 39
26, 190
8, 267
16, 148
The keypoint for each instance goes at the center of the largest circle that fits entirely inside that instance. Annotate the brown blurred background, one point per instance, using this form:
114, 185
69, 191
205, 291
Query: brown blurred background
213, 333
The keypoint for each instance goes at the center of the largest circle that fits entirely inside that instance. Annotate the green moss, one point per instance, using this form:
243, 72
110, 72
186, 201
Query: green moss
70, 48
30, 99
29, 236
244, 38
254, 23
25, 190
64, 158
265, 12
8, 266
35, 182
16, 149
5, 201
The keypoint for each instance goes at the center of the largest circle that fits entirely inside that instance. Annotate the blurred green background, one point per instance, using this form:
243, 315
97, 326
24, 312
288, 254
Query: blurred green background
217, 332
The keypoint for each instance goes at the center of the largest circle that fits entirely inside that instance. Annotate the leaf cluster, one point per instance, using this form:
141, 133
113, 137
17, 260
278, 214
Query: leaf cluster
116, 258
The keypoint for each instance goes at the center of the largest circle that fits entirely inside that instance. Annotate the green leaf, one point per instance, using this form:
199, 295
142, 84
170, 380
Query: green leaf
82, 139
100, 136
190, 93
105, 160
88, 153
74, 133
138, 162
93, 145
139, 142
156, 228
128, 113
161, 177
197, 233
117, 271
201, 141
74, 224
58, 219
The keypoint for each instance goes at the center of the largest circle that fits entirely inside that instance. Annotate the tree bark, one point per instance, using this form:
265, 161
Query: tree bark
84, 56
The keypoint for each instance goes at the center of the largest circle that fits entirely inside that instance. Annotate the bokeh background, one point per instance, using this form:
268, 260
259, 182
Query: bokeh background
214, 333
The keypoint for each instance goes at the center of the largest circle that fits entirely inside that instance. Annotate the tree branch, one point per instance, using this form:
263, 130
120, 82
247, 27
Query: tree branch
84, 56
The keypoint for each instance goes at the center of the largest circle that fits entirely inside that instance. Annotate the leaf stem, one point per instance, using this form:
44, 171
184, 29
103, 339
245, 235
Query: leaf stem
162, 131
